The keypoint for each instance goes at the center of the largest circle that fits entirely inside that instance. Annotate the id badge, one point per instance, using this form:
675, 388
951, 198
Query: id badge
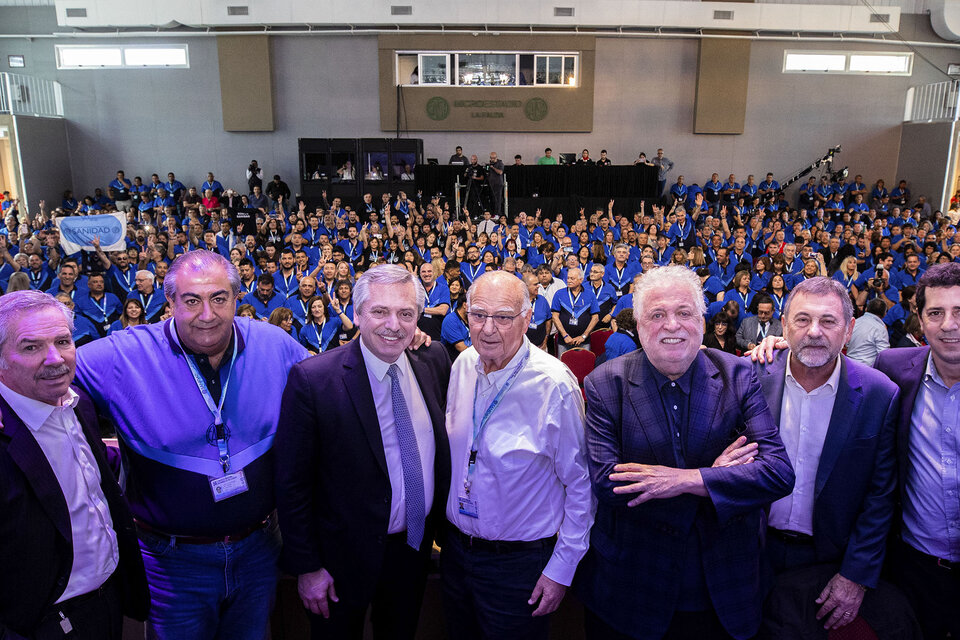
533, 325
468, 507
427, 315
619, 294
573, 321
228, 486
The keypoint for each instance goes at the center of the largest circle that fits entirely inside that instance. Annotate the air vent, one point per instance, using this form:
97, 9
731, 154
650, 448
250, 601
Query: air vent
401, 10
76, 13
723, 15
563, 12
880, 17
238, 11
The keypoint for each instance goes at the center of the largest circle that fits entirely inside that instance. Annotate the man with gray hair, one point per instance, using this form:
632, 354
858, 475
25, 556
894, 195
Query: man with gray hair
195, 401
520, 506
675, 548
363, 466
146, 292
826, 541
67, 545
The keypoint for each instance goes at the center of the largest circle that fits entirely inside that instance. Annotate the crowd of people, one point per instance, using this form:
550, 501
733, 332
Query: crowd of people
693, 494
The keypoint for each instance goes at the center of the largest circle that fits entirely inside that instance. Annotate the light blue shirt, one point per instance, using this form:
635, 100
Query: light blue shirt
931, 509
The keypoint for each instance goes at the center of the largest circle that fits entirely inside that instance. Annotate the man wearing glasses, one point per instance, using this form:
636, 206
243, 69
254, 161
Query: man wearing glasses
520, 506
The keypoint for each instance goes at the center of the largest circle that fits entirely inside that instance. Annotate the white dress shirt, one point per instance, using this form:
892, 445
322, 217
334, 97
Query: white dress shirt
804, 420
422, 426
58, 432
531, 479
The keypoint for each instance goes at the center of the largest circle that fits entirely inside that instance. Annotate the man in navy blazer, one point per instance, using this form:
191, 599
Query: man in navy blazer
837, 420
927, 554
69, 558
675, 549
358, 502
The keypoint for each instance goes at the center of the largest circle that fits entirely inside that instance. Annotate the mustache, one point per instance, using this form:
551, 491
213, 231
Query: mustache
49, 373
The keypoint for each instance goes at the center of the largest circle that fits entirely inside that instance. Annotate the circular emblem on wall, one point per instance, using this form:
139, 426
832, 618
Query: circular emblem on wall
535, 109
437, 108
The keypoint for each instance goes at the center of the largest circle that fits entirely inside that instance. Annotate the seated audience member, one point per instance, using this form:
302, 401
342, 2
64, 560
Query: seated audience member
264, 299
912, 332
624, 339
676, 502
131, 316
720, 334
869, 336
318, 331
755, 328
247, 311
283, 318
455, 332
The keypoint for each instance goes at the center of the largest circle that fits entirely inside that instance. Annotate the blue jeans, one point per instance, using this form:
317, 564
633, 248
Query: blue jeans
485, 593
211, 591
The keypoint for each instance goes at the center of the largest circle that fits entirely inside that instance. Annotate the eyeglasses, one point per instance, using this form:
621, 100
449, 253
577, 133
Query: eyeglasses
502, 321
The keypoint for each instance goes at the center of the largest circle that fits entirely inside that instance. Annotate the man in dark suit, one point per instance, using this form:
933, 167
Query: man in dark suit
754, 329
675, 548
68, 550
927, 554
363, 466
837, 420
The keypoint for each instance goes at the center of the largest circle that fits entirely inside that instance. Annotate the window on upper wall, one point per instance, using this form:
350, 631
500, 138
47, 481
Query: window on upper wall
487, 69
167, 56
856, 63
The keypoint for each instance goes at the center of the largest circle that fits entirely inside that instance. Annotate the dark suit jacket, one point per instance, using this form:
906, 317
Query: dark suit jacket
630, 576
856, 479
36, 543
333, 491
905, 367
747, 332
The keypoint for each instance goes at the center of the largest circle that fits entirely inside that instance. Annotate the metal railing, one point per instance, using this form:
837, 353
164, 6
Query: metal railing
935, 102
28, 96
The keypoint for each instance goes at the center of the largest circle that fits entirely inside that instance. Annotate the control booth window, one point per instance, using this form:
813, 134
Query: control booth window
487, 69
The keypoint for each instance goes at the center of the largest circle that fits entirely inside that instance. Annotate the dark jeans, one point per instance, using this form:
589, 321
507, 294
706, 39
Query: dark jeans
485, 593
933, 591
395, 605
685, 625
93, 616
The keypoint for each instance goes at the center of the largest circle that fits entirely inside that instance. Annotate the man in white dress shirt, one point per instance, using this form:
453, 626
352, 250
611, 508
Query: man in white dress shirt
520, 506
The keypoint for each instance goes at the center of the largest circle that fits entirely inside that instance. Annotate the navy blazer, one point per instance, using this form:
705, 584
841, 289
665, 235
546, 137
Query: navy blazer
856, 479
631, 574
36, 542
332, 488
905, 366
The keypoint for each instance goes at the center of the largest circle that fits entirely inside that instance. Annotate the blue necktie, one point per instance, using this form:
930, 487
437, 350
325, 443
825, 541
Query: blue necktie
410, 459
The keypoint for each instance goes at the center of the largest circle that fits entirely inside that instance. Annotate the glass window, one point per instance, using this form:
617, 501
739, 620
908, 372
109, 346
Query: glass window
556, 70
569, 71
408, 69
374, 165
433, 69
155, 56
487, 69
891, 64
71, 57
814, 62
899, 64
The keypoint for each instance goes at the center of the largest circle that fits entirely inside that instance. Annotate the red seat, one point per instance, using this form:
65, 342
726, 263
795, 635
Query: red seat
581, 362
598, 340
856, 630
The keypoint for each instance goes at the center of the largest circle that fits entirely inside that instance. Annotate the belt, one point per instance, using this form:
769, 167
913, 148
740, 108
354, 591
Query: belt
57, 612
227, 539
497, 546
926, 558
790, 537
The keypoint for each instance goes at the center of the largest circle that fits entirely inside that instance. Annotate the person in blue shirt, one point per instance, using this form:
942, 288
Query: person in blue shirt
539, 327
212, 184
575, 312
900, 195
768, 187
473, 268
879, 193
283, 318
89, 206
723, 268
679, 190
351, 245
299, 303
121, 190
69, 204
824, 189
835, 204
808, 193
624, 338
455, 332
909, 275
663, 253
620, 272
319, 331
749, 190
175, 189
712, 189
731, 191
146, 292
264, 299
97, 304
131, 316
604, 293
681, 233
162, 201
740, 292
285, 279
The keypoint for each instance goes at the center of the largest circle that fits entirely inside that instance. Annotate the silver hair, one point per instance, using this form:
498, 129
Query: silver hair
673, 277
820, 286
621, 245
388, 274
201, 261
523, 295
20, 304
146, 274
